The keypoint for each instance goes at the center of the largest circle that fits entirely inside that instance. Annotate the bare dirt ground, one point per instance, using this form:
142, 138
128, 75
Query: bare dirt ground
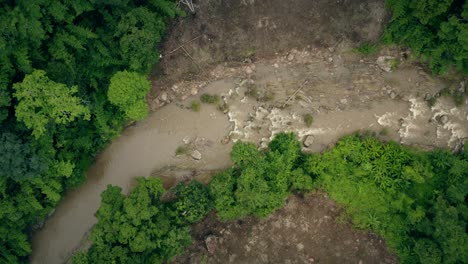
304, 231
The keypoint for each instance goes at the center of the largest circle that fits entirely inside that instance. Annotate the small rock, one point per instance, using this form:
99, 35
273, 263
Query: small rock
186, 140
427, 96
385, 63
344, 101
360, 261
461, 89
308, 141
276, 65
194, 91
225, 140
290, 57
393, 95
361, 61
330, 59
331, 49
211, 243
443, 119
163, 97
248, 70
175, 88
196, 155
184, 97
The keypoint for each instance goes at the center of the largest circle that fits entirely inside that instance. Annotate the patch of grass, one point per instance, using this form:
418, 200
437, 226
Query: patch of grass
431, 101
367, 48
195, 105
394, 63
210, 99
182, 150
308, 119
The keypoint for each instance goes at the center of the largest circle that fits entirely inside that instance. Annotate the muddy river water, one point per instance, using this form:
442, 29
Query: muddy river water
150, 145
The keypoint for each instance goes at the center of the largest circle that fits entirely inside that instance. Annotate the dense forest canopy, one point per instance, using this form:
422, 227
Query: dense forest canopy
57, 60
435, 30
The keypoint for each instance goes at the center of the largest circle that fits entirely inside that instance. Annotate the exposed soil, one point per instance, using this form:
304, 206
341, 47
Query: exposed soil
308, 229
271, 61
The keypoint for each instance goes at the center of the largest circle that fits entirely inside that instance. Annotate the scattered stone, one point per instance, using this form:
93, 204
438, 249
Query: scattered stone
312, 260
184, 97
175, 88
248, 70
196, 155
360, 262
443, 119
393, 95
276, 65
385, 63
308, 141
344, 101
194, 91
211, 243
163, 97
361, 61
331, 49
290, 57
330, 59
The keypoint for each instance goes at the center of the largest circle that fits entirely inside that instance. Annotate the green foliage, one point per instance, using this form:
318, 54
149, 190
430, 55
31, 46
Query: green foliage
192, 202
415, 200
368, 48
139, 228
195, 105
308, 119
56, 62
42, 101
210, 99
127, 90
18, 160
436, 30
260, 181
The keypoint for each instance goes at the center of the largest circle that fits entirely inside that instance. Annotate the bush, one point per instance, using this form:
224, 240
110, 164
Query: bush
192, 202
308, 119
195, 105
210, 99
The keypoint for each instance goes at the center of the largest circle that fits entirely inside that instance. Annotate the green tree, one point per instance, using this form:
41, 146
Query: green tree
127, 90
139, 228
18, 160
42, 102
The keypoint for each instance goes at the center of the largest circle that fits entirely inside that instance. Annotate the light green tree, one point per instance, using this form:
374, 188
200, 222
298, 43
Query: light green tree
42, 101
127, 91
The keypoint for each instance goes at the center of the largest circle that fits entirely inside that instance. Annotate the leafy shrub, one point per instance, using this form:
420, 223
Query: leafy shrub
210, 99
195, 105
192, 202
367, 48
308, 119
